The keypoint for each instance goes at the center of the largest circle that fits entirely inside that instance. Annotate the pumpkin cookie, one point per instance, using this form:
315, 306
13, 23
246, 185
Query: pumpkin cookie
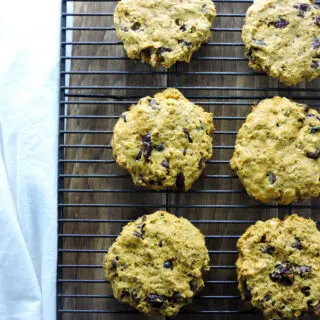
279, 267
164, 141
277, 151
161, 32
282, 38
156, 264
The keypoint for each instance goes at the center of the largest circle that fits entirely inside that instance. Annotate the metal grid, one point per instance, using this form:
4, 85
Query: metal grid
96, 198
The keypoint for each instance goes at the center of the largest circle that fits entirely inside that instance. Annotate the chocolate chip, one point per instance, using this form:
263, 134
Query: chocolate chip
193, 29
146, 138
193, 285
263, 239
134, 296
287, 280
183, 27
275, 276
186, 43
314, 155
180, 181
304, 271
146, 53
302, 6
297, 244
271, 177
310, 306
162, 50
165, 164
142, 226
113, 265
283, 274
155, 300
184, 152
306, 291
160, 244
267, 298
316, 43
306, 109
177, 22
315, 64
248, 54
123, 116
177, 297
138, 157
246, 291
317, 21
201, 163
314, 129
124, 293
269, 250
137, 234
168, 264
187, 134
159, 147
136, 26
312, 115
280, 23
153, 103
147, 146
144, 218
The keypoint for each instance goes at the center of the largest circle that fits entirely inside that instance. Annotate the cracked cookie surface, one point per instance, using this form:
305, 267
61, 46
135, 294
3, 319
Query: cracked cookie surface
279, 267
164, 141
157, 263
161, 32
277, 151
282, 38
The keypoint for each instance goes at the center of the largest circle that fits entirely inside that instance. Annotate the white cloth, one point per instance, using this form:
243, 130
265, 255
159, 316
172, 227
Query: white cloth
29, 73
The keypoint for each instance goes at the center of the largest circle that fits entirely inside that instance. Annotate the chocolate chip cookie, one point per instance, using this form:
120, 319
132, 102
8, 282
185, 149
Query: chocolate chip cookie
279, 267
164, 141
161, 32
277, 151
156, 264
282, 38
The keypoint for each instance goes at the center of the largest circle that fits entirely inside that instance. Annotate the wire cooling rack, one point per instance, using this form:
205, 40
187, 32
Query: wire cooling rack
97, 198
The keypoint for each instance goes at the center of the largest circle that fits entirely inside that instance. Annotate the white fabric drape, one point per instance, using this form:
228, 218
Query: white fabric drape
29, 73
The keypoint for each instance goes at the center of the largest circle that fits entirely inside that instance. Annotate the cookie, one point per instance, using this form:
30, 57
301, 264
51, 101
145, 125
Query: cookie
279, 267
161, 32
282, 38
164, 142
277, 152
156, 264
